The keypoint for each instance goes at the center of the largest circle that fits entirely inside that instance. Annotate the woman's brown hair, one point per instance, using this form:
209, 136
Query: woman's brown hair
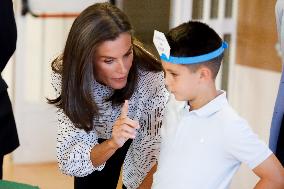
96, 24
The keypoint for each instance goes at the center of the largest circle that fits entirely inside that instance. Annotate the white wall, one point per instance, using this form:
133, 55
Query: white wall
253, 96
39, 41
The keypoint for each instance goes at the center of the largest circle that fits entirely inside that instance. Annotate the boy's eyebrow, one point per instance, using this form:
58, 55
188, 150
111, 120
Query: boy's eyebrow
170, 70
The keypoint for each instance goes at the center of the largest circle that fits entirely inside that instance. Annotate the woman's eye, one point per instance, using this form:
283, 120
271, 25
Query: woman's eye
108, 61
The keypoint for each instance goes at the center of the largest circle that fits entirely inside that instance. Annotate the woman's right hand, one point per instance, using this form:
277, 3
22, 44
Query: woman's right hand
124, 128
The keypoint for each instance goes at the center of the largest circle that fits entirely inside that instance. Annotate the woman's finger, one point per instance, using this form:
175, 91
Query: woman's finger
130, 122
124, 110
128, 129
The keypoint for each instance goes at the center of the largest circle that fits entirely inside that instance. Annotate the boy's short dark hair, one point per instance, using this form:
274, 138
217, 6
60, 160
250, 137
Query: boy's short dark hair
193, 39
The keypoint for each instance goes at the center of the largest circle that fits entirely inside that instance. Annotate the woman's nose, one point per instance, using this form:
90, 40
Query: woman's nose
121, 67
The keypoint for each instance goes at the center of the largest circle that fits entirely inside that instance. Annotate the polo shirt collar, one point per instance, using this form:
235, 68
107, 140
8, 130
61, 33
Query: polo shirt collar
210, 108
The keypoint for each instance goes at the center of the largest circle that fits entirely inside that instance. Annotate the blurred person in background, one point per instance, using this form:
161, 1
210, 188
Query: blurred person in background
276, 140
8, 36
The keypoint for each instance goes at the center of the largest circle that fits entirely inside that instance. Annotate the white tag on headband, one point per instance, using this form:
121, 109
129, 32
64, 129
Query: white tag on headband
161, 43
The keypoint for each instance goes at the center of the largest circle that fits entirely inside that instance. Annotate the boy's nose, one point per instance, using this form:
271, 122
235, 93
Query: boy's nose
167, 87
167, 80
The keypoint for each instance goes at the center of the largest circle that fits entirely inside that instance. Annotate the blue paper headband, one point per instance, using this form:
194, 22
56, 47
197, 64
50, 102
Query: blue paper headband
195, 59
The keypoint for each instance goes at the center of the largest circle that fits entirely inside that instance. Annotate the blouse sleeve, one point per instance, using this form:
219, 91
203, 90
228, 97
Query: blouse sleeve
152, 117
73, 145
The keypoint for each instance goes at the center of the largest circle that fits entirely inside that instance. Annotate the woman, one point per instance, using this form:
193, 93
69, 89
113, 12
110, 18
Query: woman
111, 102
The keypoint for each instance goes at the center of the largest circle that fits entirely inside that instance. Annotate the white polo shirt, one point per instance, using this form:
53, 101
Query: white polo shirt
203, 149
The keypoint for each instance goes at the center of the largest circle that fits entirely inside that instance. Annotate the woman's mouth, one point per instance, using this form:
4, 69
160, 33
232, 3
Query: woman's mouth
120, 78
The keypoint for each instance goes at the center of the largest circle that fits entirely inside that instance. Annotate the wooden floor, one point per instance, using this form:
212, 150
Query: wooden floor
45, 176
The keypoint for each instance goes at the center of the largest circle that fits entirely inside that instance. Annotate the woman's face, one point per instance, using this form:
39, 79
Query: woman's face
113, 60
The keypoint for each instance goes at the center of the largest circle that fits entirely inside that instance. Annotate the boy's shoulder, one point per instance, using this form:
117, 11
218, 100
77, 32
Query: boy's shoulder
230, 115
233, 124
230, 121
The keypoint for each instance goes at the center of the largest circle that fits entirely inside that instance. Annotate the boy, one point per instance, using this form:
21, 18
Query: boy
205, 141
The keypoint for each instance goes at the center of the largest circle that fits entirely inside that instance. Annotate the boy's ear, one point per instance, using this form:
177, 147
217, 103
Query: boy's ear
205, 73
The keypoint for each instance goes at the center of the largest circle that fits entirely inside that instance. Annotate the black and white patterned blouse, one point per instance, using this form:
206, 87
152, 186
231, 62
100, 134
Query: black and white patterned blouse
146, 105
